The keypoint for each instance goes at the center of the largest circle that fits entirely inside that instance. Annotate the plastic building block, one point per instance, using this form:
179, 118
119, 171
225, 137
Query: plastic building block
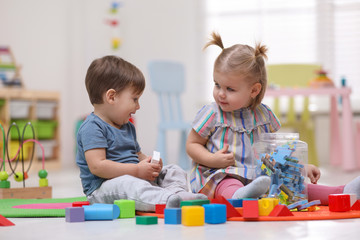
339, 202
80, 204
297, 204
235, 202
353, 198
74, 214
127, 208
4, 222
159, 208
230, 210
266, 205
156, 157
100, 211
280, 211
250, 208
193, 215
195, 202
356, 205
172, 216
308, 205
146, 220
215, 213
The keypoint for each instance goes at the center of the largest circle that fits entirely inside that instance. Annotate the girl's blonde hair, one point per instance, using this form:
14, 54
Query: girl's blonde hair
242, 59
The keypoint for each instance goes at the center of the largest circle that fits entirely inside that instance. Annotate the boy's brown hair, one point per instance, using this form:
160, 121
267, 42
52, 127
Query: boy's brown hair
112, 72
242, 59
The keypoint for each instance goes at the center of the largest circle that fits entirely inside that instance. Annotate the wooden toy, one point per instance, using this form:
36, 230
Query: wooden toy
193, 215
356, 205
266, 205
339, 202
280, 210
215, 213
195, 202
235, 202
5, 222
230, 210
250, 208
146, 220
80, 204
172, 215
100, 211
74, 214
127, 208
159, 208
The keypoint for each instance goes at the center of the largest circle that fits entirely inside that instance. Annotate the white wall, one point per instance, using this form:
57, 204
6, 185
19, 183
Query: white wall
55, 41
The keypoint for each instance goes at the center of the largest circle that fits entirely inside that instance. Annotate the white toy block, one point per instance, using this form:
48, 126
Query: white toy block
156, 157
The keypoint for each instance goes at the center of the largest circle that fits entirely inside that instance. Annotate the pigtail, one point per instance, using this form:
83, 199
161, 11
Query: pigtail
215, 39
261, 50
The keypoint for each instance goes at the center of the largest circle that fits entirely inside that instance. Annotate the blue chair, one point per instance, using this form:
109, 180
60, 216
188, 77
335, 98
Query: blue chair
168, 81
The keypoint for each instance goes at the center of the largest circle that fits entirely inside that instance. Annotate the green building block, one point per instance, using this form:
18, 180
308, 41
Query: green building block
195, 202
127, 208
146, 220
4, 184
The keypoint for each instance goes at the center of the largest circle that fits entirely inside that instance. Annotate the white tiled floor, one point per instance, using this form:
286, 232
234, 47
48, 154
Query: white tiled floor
66, 183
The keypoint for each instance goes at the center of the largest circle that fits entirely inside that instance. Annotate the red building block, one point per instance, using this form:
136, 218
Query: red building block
339, 202
4, 222
356, 205
159, 208
230, 210
80, 204
280, 211
250, 209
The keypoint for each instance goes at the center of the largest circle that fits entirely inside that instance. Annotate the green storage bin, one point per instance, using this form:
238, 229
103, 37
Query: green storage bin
21, 124
44, 129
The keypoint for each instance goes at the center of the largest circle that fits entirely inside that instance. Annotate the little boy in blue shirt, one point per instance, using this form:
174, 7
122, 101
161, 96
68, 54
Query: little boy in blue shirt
112, 166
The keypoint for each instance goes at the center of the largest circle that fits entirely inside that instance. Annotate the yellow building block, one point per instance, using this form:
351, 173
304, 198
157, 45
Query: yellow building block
266, 205
43, 182
193, 215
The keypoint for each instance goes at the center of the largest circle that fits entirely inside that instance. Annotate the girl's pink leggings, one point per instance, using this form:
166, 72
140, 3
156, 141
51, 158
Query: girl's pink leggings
228, 186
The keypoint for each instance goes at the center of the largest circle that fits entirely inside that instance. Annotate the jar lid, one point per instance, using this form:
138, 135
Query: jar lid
279, 136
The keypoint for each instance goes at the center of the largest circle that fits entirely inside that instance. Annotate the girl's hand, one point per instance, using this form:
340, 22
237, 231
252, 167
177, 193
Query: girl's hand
147, 170
223, 158
313, 173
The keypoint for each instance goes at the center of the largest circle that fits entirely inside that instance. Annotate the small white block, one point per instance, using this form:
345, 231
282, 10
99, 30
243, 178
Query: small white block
155, 157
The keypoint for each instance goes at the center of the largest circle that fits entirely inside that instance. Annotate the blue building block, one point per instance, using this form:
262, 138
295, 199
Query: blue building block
236, 202
172, 215
215, 213
100, 211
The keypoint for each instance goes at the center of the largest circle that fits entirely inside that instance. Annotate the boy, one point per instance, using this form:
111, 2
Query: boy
111, 163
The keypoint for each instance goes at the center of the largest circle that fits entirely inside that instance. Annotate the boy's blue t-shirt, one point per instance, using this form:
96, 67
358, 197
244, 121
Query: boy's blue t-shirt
120, 145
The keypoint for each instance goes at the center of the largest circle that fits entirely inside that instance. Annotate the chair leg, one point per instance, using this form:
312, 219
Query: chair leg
184, 160
161, 146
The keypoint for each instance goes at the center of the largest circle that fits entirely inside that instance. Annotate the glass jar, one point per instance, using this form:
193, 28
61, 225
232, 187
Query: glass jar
283, 157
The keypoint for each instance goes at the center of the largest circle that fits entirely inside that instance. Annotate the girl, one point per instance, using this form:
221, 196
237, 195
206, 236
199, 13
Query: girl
220, 143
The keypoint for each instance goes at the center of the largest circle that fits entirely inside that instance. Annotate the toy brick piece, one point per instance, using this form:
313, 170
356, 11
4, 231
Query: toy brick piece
215, 213
146, 220
230, 210
100, 211
156, 157
193, 215
297, 204
4, 222
195, 202
127, 208
309, 204
235, 202
74, 214
356, 205
280, 211
172, 216
353, 198
266, 205
339, 202
80, 204
159, 208
250, 208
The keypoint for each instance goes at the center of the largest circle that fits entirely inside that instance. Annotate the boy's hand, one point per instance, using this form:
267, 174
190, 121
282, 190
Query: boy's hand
147, 170
313, 173
223, 158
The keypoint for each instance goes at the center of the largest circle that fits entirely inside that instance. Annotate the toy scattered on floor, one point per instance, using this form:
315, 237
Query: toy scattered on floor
44, 191
146, 220
4, 222
127, 208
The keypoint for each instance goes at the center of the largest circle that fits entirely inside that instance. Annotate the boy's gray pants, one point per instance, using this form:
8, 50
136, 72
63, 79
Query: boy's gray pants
171, 180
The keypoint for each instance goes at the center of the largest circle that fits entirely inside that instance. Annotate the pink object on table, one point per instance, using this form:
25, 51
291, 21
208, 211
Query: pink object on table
342, 147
